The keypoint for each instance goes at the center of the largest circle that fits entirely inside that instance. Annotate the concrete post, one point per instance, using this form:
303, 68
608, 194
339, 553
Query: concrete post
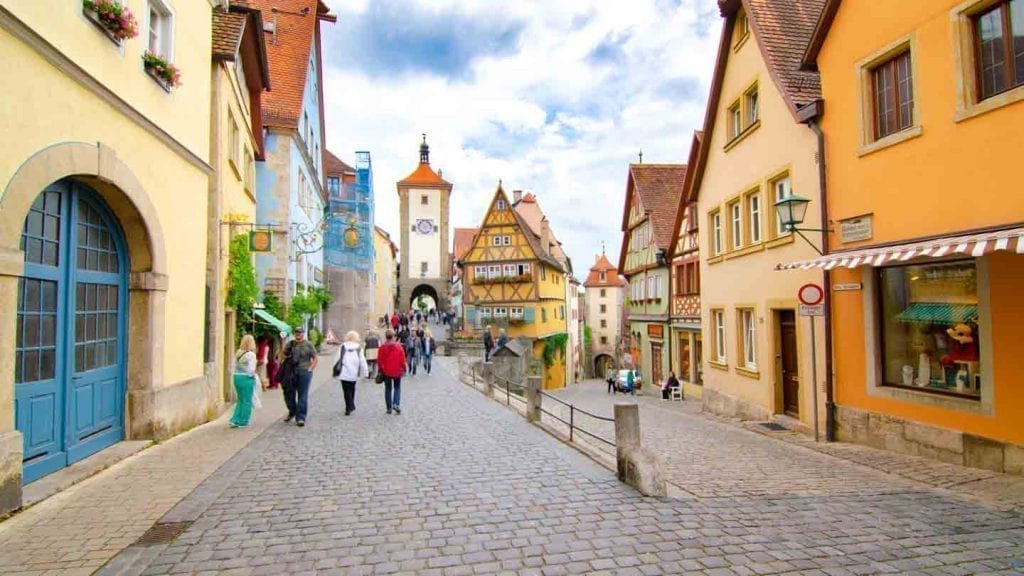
488, 370
637, 466
533, 387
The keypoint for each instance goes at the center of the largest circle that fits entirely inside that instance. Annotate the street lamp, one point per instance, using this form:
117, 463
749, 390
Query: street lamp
791, 210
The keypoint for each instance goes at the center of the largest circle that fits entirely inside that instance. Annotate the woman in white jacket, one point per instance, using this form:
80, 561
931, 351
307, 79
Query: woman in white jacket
351, 366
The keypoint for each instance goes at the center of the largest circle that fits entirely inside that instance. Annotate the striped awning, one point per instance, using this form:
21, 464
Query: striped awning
968, 246
938, 313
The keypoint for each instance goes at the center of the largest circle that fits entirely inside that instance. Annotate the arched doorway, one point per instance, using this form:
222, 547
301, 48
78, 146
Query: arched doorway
603, 363
426, 294
70, 355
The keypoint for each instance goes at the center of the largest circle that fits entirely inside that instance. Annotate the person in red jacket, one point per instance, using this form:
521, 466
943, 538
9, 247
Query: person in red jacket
391, 363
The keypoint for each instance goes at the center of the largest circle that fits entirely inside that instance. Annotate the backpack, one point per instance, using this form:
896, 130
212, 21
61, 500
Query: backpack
336, 370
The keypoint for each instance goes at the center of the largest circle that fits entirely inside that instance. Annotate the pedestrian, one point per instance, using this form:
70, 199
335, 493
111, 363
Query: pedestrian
488, 343
502, 338
610, 377
262, 355
370, 347
391, 359
302, 355
630, 379
670, 383
244, 380
428, 350
349, 368
412, 351
394, 321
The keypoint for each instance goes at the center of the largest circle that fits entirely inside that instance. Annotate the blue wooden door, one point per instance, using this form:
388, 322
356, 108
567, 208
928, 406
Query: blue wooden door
70, 367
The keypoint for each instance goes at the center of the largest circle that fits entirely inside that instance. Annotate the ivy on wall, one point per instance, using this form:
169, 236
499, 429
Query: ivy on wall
554, 344
242, 288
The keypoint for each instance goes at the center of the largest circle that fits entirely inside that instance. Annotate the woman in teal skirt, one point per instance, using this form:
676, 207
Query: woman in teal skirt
245, 381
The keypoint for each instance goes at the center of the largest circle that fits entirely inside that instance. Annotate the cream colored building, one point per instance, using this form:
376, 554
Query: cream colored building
605, 297
103, 232
756, 349
385, 277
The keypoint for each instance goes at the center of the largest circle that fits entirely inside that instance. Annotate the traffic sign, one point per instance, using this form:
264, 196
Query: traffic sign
811, 294
815, 310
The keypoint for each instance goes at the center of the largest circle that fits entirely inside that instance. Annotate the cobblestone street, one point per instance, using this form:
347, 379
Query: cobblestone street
461, 485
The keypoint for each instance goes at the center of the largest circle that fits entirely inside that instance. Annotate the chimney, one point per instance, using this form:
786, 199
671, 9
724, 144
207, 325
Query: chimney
440, 173
517, 195
545, 236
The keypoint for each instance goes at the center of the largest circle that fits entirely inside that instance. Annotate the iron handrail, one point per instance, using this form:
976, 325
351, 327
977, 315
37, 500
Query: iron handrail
573, 406
571, 423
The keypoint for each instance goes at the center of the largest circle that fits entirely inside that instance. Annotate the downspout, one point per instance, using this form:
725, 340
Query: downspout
830, 405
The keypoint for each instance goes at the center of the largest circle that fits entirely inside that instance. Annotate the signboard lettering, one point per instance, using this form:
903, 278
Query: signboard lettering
856, 229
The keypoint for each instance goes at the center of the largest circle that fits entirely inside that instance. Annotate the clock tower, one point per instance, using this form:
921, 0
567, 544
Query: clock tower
425, 262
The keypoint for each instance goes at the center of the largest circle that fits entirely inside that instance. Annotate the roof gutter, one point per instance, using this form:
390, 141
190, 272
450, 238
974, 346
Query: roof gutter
811, 115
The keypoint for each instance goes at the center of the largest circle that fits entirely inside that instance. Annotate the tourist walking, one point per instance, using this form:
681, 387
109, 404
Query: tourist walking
395, 321
391, 361
350, 367
488, 343
301, 354
244, 380
412, 351
428, 346
370, 348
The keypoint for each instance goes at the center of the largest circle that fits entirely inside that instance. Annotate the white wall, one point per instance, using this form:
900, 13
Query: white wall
424, 248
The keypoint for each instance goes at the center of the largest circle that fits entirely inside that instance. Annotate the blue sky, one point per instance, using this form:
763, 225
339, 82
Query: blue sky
555, 98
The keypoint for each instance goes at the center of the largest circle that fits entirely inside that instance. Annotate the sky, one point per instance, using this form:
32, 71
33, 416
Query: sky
551, 97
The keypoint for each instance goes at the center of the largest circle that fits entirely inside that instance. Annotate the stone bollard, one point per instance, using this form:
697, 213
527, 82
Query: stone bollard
533, 398
488, 370
637, 466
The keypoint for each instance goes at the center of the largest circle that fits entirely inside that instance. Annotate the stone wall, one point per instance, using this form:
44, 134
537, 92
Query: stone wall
726, 405
908, 437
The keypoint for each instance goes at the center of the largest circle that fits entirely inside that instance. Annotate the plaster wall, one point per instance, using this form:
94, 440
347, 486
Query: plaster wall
425, 247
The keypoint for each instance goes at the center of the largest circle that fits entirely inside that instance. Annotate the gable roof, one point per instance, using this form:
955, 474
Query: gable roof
611, 274
821, 28
334, 165
463, 241
424, 175
660, 187
696, 147
294, 24
530, 210
227, 33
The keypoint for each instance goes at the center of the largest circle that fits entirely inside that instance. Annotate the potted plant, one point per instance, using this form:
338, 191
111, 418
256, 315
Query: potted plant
165, 73
115, 19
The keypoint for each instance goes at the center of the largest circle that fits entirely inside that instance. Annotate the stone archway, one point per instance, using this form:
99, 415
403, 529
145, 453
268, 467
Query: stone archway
426, 291
98, 166
602, 362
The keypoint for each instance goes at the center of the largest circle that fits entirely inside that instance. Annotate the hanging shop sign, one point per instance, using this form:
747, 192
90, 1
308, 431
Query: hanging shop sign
261, 241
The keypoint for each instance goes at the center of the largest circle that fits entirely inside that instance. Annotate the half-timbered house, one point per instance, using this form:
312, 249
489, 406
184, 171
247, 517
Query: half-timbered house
685, 313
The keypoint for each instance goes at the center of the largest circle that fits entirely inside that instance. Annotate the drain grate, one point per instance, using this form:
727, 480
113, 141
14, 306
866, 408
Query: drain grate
773, 426
162, 533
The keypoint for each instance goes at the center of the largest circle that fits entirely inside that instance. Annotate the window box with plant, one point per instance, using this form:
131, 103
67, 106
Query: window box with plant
113, 18
162, 71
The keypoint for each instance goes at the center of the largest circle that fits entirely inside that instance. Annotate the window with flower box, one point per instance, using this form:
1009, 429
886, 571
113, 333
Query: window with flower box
160, 30
516, 312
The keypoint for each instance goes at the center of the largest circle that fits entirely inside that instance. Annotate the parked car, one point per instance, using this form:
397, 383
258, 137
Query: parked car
622, 381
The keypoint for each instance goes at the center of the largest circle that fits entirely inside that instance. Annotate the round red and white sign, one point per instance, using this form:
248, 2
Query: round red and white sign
811, 294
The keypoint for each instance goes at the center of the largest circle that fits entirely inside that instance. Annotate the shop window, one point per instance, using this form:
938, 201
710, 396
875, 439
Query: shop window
999, 48
748, 338
718, 325
929, 328
893, 95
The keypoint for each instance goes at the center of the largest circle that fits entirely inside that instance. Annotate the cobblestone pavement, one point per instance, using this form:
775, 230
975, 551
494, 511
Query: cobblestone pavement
691, 445
459, 484
78, 530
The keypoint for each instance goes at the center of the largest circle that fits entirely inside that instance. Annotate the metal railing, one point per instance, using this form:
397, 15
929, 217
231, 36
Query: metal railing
509, 395
571, 423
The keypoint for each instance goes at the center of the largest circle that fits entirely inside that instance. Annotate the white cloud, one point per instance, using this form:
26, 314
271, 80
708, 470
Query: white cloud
541, 115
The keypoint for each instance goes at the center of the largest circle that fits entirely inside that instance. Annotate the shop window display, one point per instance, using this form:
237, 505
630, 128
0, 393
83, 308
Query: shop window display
929, 321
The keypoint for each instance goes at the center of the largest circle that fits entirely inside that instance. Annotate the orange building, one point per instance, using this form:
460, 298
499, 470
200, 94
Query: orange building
923, 122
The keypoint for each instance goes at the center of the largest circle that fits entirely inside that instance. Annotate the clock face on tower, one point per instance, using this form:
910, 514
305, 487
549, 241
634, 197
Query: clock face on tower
425, 226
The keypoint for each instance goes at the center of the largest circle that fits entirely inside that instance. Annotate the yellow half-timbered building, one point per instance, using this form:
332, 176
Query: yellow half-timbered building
514, 282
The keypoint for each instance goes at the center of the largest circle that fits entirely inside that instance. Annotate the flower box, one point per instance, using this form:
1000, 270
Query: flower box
161, 71
115, 20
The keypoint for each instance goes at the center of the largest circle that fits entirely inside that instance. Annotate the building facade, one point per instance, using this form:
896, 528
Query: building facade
514, 284
924, 256
423, 209
462, 241
349, 244
754, 152
653, 193
290, 186
105, 167
605, 294
687, 338
385, 282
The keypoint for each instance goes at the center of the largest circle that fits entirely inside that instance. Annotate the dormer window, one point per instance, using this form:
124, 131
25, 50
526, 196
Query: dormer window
500, 205
602, 277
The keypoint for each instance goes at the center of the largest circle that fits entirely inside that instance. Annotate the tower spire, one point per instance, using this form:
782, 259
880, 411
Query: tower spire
424, 151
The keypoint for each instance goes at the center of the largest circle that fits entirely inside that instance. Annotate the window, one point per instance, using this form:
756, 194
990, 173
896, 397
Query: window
250, 170
500, 205
543, 272
561, 312
603, 294
716, 233
479, 272
782, 188
523, 268
750, 102
500, 312
735, 120
893, 95
506, 240
161, 30
423, 267
604, 339
999, 48
742, 27
516, 312
602, 276
424, 199
543, 314
718, 324
748, 342
485, 314
736, 225
754, 215
509, 270
496, 240
236, 145
604, 308
688, 278
494, 271
334, 186
604, 323
930, 327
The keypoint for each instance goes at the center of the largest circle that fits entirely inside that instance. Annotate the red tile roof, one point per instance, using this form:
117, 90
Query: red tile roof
783, 29
334, 166
611, 275
227, 33
660, 187
288, 50
424, 175
464, 238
